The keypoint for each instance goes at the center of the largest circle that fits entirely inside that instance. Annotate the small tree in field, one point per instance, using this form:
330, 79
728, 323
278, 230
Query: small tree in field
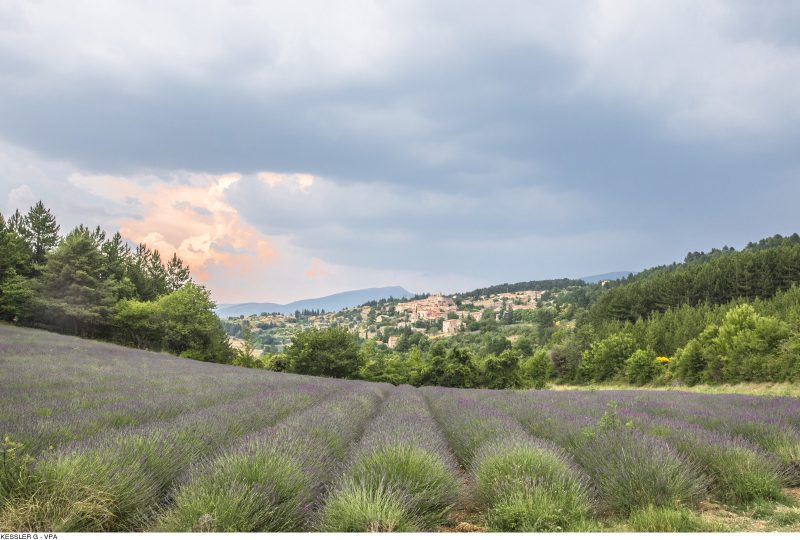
332, 352
641, 367
246, 356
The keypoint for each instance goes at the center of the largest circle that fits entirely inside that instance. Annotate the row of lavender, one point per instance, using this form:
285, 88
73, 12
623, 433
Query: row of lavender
273, 479
116, 480
658, 448
524, 483
57, 389
770, 424
82, 469
372, 459
401, 476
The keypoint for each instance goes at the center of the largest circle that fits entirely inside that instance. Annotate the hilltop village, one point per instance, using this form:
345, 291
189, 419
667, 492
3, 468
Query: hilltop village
435, 316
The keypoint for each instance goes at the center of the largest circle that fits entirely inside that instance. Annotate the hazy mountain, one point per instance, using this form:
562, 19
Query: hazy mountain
611, 276
333, 302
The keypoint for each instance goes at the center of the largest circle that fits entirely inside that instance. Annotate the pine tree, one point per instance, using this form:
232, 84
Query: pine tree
72, 294
41, 231
148, 273
157, 274
15, 267
16, 223
117, 255
177, 273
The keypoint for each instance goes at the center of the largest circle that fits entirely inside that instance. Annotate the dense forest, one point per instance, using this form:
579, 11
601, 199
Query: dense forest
88, 284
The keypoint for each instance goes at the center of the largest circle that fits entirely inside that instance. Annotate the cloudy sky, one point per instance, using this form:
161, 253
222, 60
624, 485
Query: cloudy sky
296, 149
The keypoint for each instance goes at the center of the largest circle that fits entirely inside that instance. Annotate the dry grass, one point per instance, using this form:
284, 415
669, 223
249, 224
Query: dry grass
754, 389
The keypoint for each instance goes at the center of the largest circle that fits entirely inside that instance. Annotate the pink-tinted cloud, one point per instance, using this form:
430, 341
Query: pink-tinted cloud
191, 218
316, 270
301, 181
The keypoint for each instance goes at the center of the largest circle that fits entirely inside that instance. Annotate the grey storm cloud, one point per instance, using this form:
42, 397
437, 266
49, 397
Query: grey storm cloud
567, 137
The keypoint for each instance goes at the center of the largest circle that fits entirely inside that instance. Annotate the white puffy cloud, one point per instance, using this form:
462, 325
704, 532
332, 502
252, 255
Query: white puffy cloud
20, 198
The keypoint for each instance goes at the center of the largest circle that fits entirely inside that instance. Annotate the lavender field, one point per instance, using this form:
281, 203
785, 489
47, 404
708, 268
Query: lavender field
98, 437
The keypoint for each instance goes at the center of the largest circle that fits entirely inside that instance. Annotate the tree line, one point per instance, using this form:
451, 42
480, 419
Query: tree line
88, 284
758, 271
726, 316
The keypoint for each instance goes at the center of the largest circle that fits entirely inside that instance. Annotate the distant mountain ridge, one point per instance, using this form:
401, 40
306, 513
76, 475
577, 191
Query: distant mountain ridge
333, 302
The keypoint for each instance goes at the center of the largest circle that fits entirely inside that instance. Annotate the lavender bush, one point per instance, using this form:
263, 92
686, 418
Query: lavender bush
272, 480
525, 483
401, 475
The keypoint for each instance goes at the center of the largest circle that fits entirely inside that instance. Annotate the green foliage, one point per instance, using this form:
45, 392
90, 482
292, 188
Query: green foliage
745, 341
454, 368
641, 368
16, 265
611, 420
71, 294
41, 231
496, 344
87, 285
417, 481
138, 324
246, 356
788, 359
691, 363
659, 519
538, 368
503, 371
181, 322
394, 368
365, 508
606, 358
527, 488
247, 492
751, 273
190, 325
331, 352
16, 295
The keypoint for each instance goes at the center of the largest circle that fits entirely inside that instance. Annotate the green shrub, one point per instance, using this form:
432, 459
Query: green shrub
529, 488
95, 490
691, 362
243, 492
357, 507
606, 358
641, 367
633, 470
330, 352
538, 368
741, 476
427, 489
